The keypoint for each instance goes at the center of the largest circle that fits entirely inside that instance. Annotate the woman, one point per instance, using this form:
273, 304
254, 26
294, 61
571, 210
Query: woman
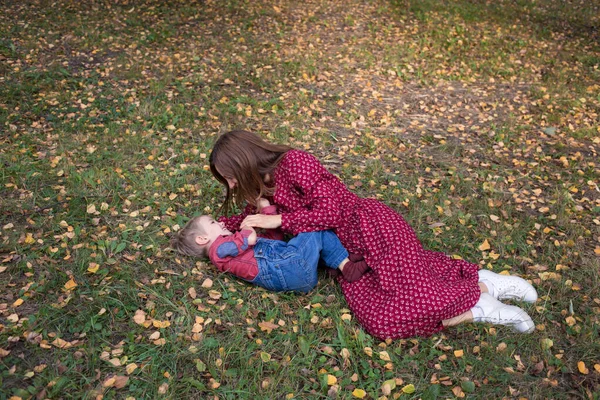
409, 291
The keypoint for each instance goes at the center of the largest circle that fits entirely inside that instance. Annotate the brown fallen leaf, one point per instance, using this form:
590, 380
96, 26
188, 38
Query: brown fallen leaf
267, 326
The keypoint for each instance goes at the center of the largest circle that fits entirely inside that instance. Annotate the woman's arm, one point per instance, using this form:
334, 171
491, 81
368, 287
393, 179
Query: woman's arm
234, 222
318, 190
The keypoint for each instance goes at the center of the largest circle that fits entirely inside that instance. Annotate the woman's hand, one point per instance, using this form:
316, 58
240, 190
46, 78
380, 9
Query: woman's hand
262, 221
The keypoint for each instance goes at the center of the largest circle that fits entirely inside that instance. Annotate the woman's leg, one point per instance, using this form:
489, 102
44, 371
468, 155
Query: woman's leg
467, 316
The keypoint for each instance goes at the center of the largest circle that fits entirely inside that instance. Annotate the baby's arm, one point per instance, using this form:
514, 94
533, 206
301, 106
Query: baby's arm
252, 236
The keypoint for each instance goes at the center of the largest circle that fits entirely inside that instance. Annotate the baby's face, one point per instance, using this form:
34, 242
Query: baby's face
212, 228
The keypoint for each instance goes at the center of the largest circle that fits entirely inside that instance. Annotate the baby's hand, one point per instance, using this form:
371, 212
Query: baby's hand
252, 237
262, 203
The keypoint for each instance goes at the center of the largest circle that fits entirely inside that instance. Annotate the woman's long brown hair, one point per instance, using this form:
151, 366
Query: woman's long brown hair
246, 157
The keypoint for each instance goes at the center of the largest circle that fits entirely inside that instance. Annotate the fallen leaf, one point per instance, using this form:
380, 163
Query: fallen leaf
130, 368
485, 245
71, 284
213, 294
93, 268
267, 326
160, 324
458, 392
162, 389
121, 381
154, 335
109, 382
359, 393
582, 368
139, 317
331, 380
408, 389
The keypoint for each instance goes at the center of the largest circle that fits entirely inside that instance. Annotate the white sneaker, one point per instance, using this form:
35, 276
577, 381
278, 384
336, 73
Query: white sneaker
492, 311
507, 287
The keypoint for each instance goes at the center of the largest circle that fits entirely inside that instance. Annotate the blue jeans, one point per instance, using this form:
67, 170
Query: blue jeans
293, 265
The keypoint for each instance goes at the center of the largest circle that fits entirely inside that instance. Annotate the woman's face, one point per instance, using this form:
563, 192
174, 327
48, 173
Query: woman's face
231, 182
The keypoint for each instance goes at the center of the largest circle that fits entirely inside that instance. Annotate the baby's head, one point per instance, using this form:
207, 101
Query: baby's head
198, 235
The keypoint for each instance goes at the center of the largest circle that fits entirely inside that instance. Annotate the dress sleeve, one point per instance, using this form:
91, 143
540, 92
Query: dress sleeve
233, 222
318, 191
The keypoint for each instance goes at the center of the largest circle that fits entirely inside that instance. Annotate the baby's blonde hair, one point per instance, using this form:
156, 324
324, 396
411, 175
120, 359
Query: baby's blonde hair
184, 240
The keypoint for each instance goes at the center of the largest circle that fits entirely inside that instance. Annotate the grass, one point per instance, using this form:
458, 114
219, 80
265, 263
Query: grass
477, 121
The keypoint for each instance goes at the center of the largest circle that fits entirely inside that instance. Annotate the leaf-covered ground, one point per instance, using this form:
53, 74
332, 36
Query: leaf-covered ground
478, 121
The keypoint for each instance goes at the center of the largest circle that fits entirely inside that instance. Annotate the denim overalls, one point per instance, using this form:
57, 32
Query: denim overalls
293, 265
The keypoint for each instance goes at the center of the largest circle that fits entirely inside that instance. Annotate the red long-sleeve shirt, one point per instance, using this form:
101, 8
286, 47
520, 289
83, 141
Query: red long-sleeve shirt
233, 254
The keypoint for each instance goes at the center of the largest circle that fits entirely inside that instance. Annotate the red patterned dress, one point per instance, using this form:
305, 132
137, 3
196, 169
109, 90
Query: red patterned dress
409, 290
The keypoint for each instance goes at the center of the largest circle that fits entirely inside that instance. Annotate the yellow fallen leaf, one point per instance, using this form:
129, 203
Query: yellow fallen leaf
408, 389
458, 353
368, 351
207, 283
331, 380
109, 382
546, 343
71, 284
130, 368
93, 267
385, 356
485, 245
346, 317
160, 324
29, 239
570, 320
582, 368
597, 368
91, 209
265, 357
18, 302
359, 393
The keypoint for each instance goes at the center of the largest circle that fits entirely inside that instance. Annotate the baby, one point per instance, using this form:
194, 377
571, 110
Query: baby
267, 260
